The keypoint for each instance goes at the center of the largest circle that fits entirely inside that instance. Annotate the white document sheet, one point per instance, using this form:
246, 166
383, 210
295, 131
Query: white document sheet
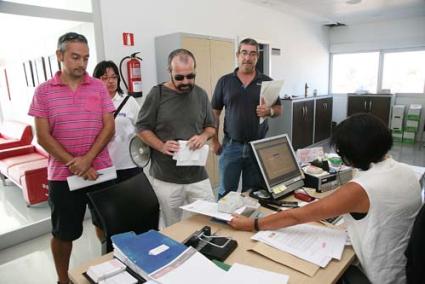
121, 278
76, 182
187, 157
245, 274
194, 270
207, 208
312, 243
270, 91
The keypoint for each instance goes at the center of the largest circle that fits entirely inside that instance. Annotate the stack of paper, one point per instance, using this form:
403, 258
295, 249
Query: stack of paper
315, 244
187, 157
105, 270
157, 257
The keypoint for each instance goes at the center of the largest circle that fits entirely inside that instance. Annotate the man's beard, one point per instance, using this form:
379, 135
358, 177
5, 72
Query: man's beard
184, 88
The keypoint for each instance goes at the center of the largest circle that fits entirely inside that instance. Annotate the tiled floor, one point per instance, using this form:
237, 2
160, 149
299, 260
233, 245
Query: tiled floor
31, 261
14, 211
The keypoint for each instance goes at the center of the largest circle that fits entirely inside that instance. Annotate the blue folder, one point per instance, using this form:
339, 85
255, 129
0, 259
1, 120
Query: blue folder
137, 248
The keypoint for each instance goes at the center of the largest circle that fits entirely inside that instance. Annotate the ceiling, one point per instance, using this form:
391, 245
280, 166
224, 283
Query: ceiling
360, 11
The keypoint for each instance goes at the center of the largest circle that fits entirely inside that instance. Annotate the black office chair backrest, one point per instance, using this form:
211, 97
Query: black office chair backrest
127, 206
415, 252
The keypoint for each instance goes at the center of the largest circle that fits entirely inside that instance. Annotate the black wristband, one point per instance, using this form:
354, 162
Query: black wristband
256, 228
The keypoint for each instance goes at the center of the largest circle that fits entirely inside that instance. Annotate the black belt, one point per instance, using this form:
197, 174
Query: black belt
231, 140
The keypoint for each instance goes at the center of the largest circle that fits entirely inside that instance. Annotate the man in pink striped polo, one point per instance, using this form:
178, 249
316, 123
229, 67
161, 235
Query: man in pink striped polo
74, 122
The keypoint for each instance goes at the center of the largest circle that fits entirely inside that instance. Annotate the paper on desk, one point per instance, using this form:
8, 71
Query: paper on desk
270, 91
76, 182
187, 157
195, 269
240, 273
209, 208
285, 258
309, 242
121, 278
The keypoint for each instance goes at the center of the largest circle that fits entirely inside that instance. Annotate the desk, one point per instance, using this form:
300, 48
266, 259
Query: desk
183, 229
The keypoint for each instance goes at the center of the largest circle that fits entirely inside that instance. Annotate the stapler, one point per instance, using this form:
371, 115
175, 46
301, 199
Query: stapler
213, 247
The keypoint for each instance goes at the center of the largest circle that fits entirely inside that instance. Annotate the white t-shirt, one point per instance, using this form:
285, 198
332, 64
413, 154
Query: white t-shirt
124, 130
380, 238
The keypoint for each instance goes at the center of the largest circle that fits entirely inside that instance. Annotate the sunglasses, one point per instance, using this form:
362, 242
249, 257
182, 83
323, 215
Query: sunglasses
72, 36
180, 77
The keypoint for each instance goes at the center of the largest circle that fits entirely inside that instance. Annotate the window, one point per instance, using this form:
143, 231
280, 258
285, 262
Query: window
353, 72
404, 72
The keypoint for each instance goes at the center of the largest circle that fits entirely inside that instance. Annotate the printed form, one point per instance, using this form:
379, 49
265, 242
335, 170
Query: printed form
315, 244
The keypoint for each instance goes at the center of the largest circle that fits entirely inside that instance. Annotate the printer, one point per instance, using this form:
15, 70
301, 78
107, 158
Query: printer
327, 180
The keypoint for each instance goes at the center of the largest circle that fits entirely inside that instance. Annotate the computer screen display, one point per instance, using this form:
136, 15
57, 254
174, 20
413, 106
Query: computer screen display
278, 164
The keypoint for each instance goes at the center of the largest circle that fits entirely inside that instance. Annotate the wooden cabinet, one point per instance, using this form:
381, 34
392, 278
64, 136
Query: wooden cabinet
322, 119
214, 58
378, 105
302, 123
306, 121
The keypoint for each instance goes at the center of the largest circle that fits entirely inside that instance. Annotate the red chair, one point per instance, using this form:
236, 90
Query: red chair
26, 166
15, 134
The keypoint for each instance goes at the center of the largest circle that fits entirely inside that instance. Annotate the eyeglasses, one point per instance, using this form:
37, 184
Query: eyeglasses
106, 78
246, 53
179, 77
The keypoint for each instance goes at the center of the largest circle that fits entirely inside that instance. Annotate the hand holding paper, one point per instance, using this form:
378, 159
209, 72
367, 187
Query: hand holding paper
187, 157
270, 91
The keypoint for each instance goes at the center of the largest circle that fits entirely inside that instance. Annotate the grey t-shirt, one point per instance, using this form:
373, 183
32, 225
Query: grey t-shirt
174, 116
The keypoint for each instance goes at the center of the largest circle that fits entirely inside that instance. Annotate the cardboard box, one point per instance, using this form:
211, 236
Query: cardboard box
409, 137
397, 124
397, 136
414, 112
412, 125
398, 111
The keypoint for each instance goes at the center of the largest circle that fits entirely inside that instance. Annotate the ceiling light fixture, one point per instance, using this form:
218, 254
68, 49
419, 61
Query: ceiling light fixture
353, 2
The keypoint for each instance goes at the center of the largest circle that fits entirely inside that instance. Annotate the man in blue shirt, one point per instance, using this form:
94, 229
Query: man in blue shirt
239, 93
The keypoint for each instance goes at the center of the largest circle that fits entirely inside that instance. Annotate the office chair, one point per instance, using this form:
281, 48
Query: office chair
127, 206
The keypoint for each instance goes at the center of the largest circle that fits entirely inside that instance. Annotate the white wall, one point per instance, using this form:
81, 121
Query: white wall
402, 33
304, 45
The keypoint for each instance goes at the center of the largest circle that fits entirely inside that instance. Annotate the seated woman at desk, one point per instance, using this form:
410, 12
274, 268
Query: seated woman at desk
380, 203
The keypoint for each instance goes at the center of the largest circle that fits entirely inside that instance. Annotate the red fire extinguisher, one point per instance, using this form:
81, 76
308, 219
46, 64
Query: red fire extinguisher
134, 73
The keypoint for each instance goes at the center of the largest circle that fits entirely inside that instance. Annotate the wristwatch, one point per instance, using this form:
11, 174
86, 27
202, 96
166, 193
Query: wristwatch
271, 112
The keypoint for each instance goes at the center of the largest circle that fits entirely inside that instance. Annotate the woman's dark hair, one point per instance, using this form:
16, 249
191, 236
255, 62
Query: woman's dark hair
362, 139
100, 70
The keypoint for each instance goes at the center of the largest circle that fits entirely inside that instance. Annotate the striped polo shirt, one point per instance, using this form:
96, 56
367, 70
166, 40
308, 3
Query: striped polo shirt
75, 119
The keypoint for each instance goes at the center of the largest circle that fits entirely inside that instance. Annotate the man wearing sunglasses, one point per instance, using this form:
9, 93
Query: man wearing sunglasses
73, 116
177, 110
239, 93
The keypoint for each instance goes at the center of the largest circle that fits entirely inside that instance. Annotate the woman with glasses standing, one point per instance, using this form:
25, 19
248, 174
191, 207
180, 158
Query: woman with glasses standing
125, 120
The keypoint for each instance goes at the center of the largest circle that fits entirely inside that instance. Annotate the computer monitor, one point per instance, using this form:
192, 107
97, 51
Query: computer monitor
278, 165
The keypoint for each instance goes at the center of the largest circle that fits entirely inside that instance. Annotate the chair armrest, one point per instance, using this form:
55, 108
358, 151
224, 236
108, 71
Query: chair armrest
17, 151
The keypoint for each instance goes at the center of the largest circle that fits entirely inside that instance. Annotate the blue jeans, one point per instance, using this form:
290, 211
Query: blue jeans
235, 158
